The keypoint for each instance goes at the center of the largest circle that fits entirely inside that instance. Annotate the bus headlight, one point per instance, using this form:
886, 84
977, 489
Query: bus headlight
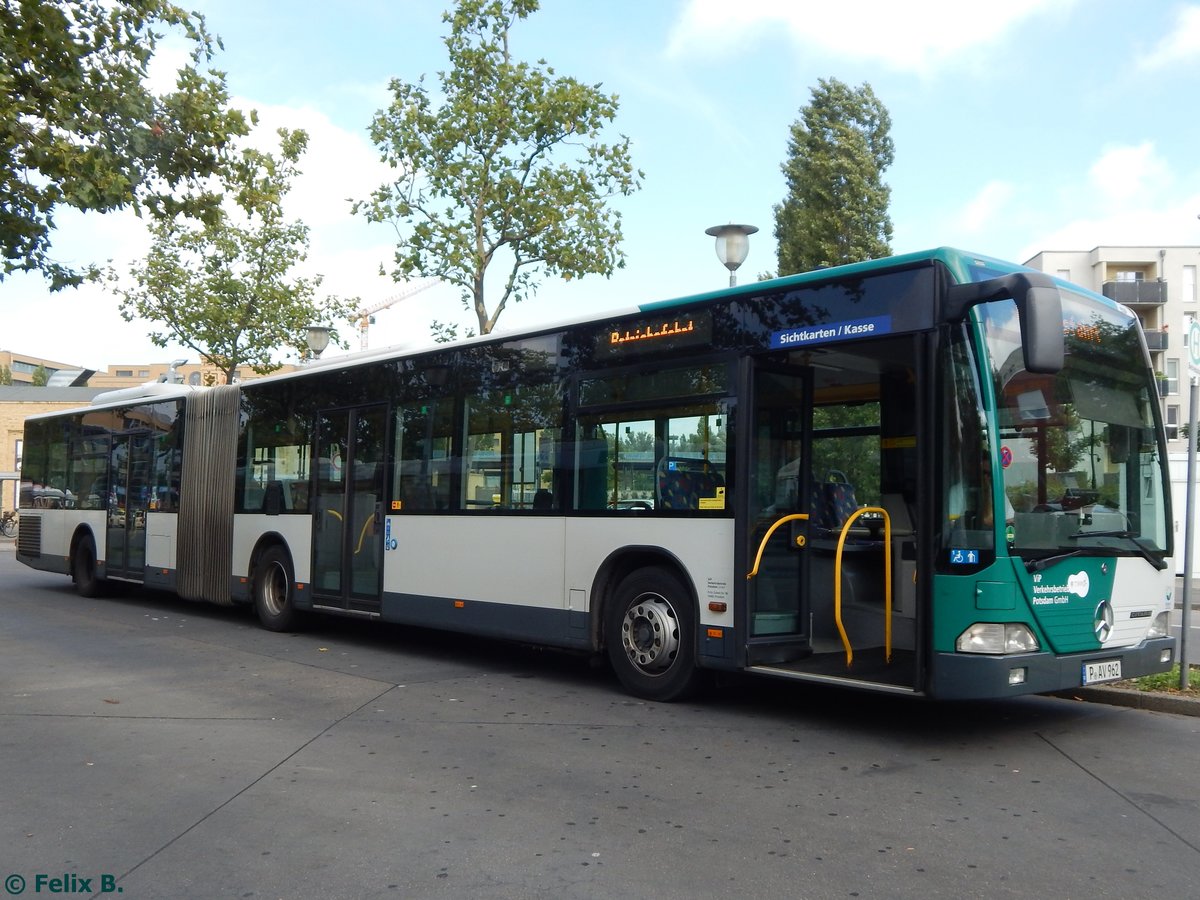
1161, 626
997, 638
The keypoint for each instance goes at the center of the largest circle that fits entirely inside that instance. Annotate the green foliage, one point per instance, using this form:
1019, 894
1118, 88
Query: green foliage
1185, 430
224, 287
5, 375
839, 454
1168, 681
836, 208
80, 129
40, 376
505, 165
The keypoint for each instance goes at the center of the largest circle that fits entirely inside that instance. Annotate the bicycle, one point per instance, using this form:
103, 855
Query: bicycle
8, 523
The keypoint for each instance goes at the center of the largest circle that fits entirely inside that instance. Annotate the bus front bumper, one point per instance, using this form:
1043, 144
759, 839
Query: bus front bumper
957, 676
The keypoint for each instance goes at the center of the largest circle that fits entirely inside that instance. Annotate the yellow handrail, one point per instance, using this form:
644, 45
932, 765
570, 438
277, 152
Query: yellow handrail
887, 581
766, 537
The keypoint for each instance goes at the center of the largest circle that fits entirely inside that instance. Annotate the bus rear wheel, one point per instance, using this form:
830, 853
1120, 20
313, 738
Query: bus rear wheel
274, 591
84, 571
650, 633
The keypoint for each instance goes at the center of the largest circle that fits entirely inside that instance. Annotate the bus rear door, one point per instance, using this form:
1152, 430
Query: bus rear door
348, 510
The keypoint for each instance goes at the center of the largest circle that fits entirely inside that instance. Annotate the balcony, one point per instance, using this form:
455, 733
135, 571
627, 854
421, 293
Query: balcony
1156, 340
1136, 293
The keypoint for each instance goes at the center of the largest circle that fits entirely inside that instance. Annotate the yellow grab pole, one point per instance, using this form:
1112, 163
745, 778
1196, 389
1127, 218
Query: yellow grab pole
887, 581
766, 537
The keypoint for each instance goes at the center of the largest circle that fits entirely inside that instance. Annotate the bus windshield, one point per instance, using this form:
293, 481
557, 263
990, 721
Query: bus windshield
1082, 469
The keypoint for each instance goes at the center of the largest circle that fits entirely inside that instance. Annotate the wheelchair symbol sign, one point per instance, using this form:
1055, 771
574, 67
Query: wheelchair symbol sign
964, 557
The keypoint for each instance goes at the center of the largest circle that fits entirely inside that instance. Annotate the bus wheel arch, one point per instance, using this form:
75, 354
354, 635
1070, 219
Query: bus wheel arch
273, 587
647, 623
85, 567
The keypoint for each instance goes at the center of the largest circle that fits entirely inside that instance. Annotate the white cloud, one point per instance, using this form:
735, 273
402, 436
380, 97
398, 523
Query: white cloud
86, 327
1126, 173
1128, 198
1171, 226
1180, 46
918, 36
338, 165
985, 207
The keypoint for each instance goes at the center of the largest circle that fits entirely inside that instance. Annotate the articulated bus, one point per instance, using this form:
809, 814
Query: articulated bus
935, 474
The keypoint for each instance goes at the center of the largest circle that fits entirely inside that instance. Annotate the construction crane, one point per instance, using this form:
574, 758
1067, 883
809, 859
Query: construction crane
366, 315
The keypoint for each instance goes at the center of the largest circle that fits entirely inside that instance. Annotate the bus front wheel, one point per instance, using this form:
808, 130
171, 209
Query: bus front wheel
274, 591
651, 637
84, 571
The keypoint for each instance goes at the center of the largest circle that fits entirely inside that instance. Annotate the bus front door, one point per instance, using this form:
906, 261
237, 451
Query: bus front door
348, 512
129, 465
832, 454
779, 609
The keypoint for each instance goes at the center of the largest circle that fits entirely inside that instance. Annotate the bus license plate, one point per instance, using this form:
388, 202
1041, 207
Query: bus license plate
1105, 670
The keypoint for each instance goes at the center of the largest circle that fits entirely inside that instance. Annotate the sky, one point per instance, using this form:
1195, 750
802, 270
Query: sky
1019, 126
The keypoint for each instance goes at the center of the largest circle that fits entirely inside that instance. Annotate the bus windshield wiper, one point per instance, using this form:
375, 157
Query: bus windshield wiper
1036, 565
1146, 550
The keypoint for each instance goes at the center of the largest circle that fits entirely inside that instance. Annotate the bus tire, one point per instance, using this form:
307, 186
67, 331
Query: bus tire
650, 635
275, 591
84, 571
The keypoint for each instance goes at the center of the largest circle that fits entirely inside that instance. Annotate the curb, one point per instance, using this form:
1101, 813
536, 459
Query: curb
1155, 701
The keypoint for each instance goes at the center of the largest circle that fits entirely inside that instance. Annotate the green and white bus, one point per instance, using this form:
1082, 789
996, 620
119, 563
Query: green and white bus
933, 474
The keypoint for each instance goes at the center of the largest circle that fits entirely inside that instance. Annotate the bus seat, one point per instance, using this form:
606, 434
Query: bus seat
833, 502
543, 499
682, 482
272, 503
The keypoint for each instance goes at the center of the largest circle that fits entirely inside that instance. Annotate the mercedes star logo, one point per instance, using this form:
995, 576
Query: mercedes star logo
1102, 620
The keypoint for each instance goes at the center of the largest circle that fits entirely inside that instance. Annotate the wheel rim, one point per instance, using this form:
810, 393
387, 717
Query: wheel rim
650, 634
275, 589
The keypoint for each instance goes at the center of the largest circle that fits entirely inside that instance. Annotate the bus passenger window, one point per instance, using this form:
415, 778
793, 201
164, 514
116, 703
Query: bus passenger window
422, 453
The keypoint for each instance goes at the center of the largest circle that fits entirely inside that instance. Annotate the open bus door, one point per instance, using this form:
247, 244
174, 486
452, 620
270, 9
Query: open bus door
831, 587
348, 509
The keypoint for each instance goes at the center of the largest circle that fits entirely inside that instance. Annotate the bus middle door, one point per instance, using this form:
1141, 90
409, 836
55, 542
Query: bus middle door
130, 460
348, 524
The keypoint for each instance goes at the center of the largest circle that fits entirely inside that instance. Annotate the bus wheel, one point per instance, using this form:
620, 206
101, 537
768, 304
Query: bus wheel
273, 591
83, 569
651, 635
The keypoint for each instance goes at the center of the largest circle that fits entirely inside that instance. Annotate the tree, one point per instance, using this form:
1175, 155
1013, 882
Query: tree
507, 167
224, 288
5, 375
836, 208
40, 376
82, 130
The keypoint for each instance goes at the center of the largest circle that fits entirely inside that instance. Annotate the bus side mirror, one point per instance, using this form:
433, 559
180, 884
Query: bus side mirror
1039, 309
1040, 312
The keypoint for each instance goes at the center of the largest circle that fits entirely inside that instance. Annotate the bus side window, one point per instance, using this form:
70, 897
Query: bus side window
421, 475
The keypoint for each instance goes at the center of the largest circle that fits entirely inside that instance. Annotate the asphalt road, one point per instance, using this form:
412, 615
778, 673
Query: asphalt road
156, 748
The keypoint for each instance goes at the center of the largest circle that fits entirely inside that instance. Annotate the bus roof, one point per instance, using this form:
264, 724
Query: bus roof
962, 265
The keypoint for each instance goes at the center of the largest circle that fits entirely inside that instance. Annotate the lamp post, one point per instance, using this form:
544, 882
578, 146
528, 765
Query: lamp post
733, 245
317, 340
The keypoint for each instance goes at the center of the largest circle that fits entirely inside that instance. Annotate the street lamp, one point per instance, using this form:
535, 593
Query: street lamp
733, 245
318, 340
